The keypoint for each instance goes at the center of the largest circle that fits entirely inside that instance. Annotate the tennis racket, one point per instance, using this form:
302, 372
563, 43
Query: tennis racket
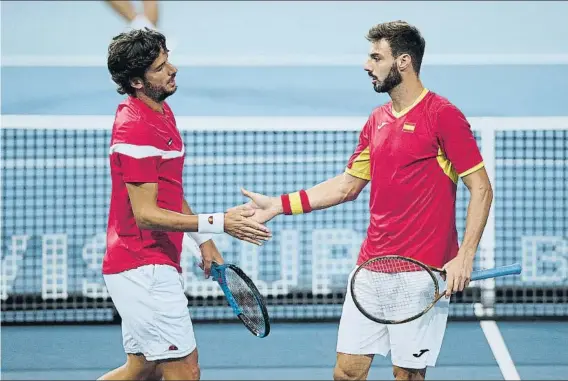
240, 293
243, 297
394, 289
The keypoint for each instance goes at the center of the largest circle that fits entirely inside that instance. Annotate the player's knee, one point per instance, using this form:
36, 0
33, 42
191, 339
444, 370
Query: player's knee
342, 372
138, 368
339, 373
189, 372
186, 368
146, 372
192, 363
155, 375
194, 371
408, 373
352, 367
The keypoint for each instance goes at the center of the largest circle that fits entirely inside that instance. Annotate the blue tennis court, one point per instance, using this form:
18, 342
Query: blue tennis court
290, 352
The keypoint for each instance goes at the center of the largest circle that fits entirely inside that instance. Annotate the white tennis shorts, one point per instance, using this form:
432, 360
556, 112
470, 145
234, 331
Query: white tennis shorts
153, 307
413, 345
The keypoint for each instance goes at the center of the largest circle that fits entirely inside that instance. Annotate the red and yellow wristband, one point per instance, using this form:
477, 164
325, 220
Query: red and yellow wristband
296, 203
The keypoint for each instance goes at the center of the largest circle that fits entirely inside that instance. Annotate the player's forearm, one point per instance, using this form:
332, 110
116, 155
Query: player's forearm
332, 192
477, 213
155, 218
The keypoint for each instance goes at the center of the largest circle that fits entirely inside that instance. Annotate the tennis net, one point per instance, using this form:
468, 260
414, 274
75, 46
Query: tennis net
56, 189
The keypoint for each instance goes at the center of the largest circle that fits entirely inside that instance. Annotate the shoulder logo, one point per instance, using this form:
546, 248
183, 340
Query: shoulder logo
409, 127
381, 125
170, 141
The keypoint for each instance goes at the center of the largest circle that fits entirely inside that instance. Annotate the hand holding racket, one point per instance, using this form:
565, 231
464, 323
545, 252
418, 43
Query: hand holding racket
240, 292
209, 254
395, 289
457, 274
243, 297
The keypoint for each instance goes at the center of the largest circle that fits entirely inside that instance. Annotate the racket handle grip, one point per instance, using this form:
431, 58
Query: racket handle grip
496, 272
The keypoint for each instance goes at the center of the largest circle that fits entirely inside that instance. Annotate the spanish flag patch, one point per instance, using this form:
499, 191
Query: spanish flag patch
409, 127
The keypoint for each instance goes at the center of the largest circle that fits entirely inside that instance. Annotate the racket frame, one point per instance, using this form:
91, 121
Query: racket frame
513, 269
218, 274
430, 270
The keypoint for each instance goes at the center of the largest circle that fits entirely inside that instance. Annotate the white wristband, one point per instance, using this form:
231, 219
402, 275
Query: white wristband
200, 238
211, 223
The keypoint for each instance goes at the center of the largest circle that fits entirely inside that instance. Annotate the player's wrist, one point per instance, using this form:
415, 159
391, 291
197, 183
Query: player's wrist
467, 252
277, 206
200, 238
212, 223
295, 203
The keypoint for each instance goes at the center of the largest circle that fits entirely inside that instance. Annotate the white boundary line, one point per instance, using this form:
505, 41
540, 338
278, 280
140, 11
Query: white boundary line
268, 124
500, 350
291, 60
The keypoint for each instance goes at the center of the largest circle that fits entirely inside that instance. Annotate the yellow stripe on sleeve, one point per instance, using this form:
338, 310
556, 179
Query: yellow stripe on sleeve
471, 170
361, 166
296, 203
447, 166
364, 176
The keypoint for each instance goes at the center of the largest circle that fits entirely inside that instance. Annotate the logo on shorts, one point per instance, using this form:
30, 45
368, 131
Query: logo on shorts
173, 348
210, 220
422, 351
170, 141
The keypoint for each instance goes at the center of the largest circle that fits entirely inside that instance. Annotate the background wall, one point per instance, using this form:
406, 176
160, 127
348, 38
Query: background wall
285, 28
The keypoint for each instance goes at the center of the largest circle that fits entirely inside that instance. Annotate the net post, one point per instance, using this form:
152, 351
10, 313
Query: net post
487, 244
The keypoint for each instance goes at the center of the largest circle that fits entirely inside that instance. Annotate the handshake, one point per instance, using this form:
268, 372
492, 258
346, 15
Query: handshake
246, 221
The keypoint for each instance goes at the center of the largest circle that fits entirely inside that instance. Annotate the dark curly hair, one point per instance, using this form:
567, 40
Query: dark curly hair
402, 38
131, 54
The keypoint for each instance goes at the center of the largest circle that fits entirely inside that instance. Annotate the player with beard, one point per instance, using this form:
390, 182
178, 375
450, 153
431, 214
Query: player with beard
413, 150
148, 216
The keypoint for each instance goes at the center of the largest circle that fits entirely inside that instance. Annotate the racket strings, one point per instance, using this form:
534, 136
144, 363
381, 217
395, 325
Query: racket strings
394, 289
251, 311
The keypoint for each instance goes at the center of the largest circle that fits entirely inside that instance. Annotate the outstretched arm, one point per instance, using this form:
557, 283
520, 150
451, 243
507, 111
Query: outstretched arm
334, 191
337, 190
148, 215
